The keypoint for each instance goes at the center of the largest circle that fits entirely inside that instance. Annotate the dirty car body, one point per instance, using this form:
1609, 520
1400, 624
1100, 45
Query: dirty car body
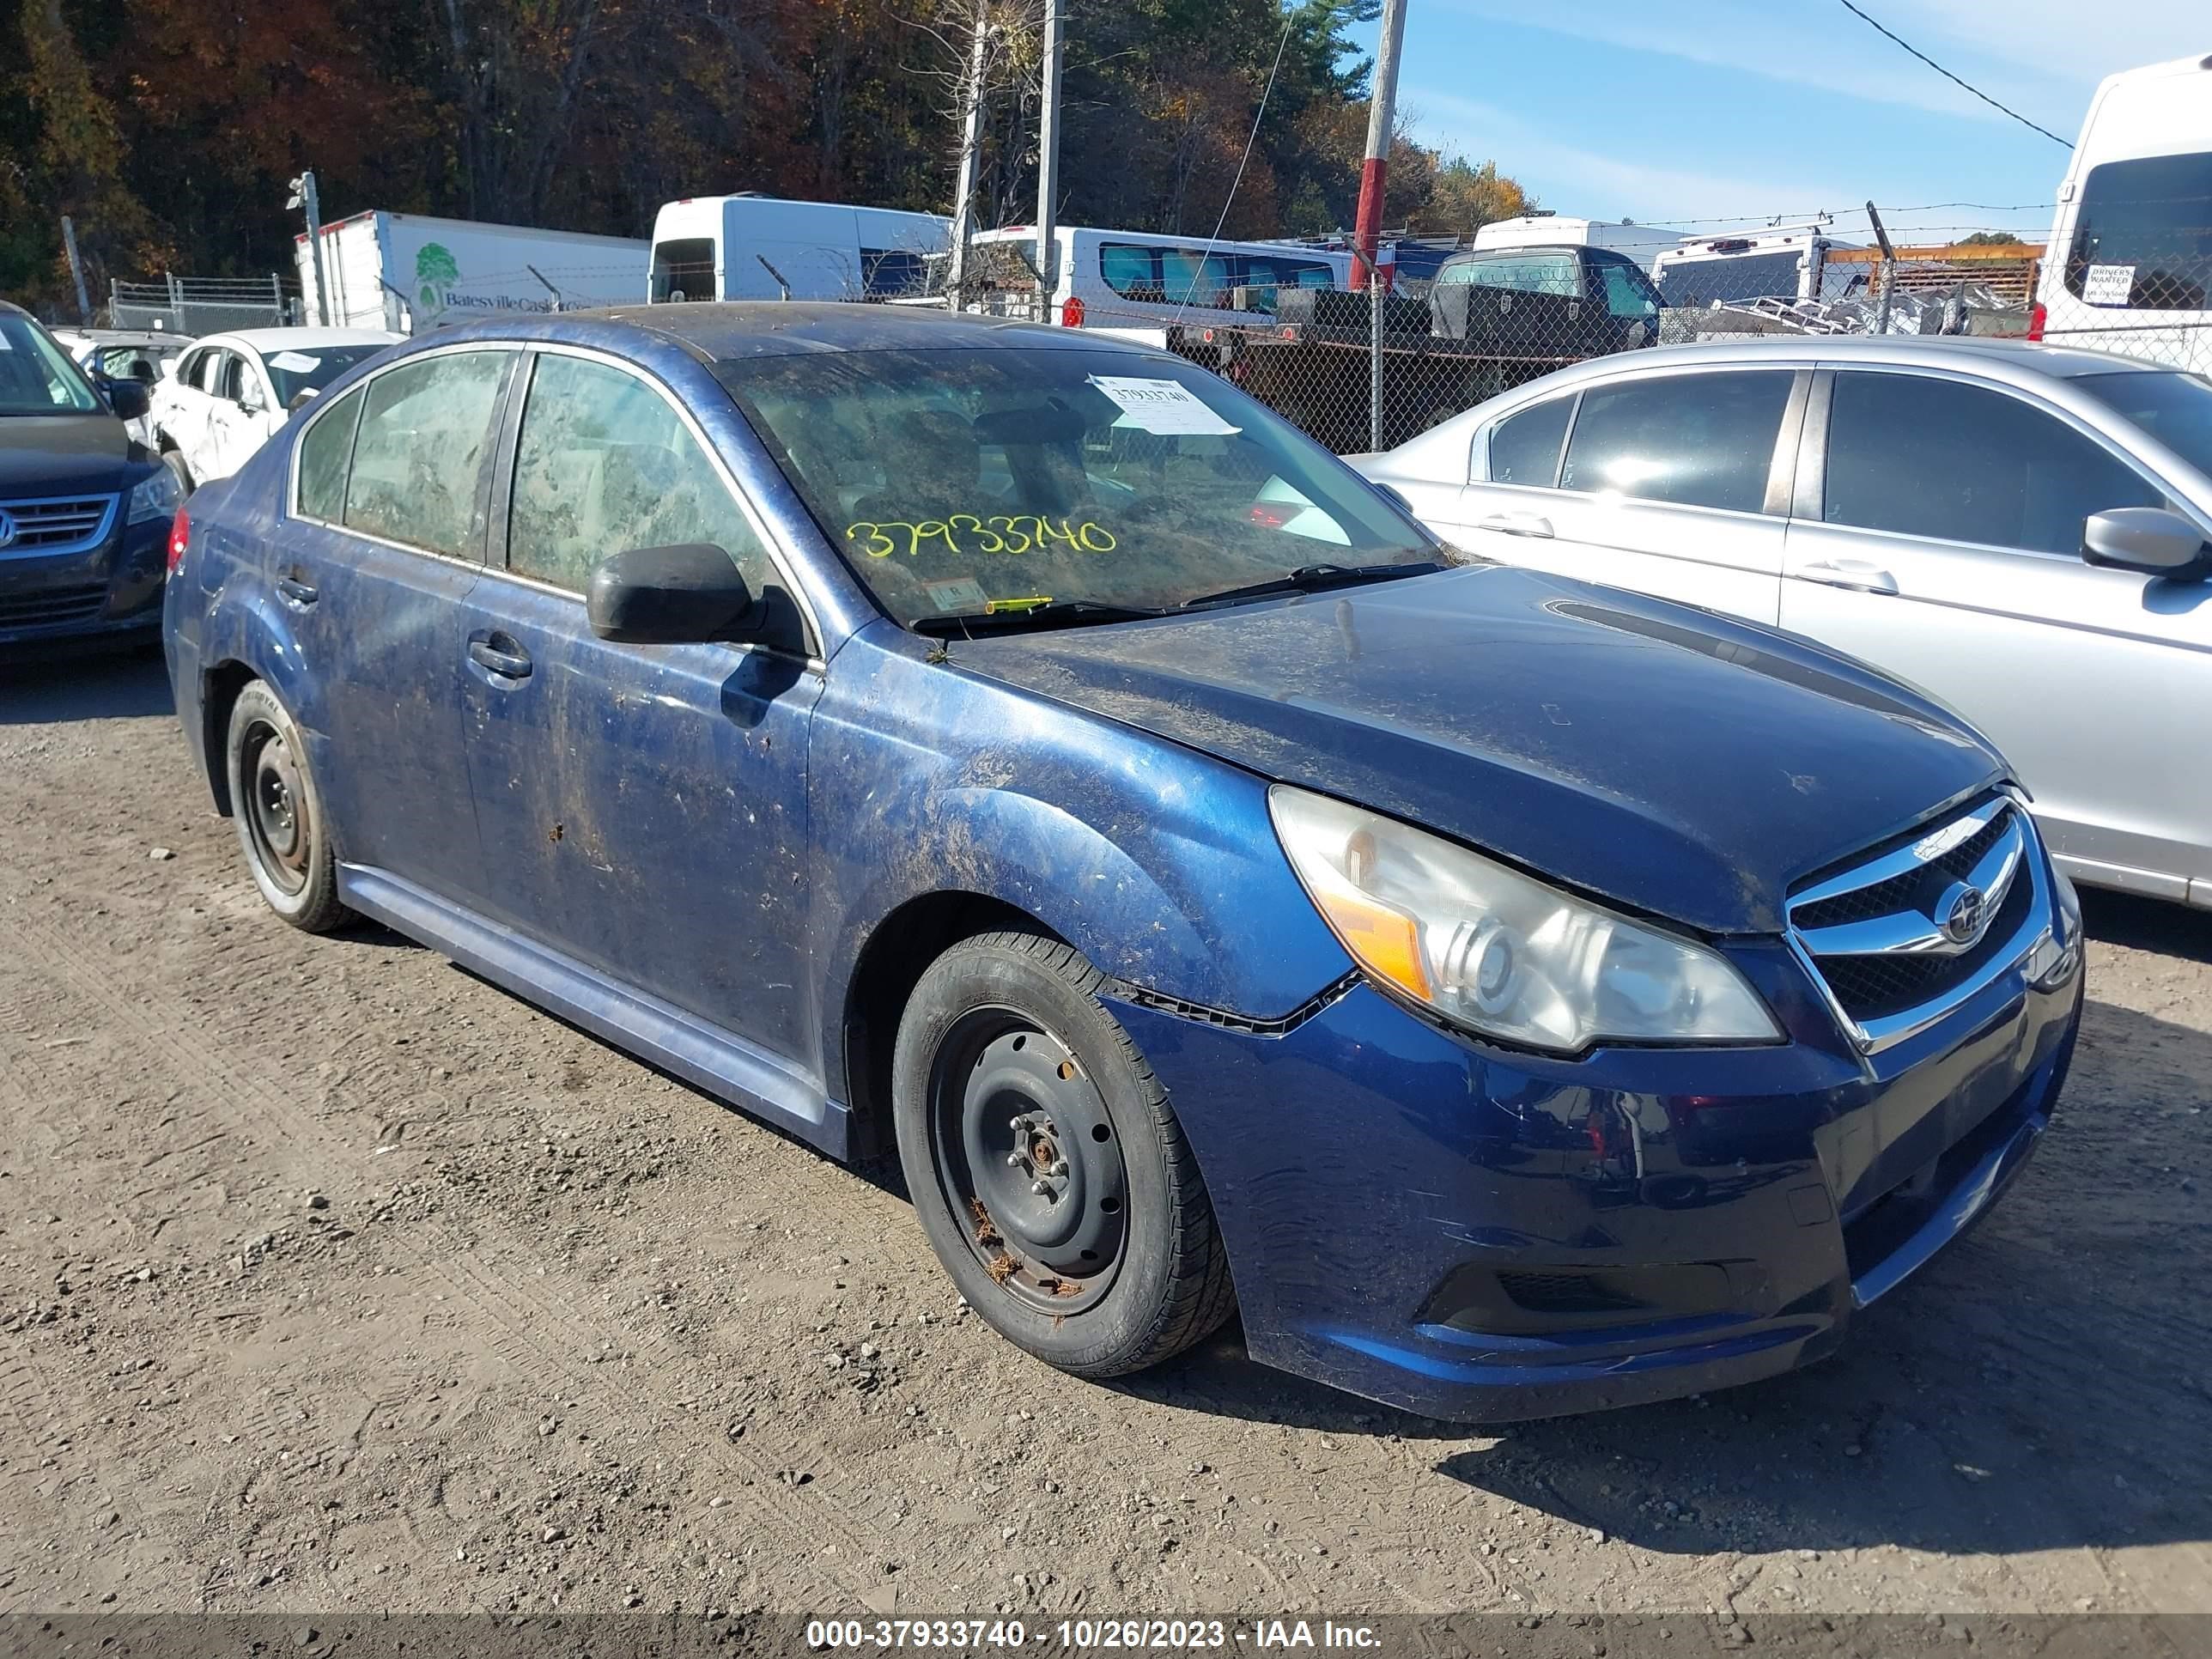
739, 858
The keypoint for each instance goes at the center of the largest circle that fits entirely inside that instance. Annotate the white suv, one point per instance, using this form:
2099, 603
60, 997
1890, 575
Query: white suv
231, 392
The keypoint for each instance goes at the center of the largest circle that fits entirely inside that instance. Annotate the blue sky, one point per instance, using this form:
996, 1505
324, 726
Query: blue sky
1694, 109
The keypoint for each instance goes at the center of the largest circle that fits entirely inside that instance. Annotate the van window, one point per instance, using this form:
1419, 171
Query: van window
1694, 440
684, 269
1957, 463
1129, 270
889, 273
2153, 218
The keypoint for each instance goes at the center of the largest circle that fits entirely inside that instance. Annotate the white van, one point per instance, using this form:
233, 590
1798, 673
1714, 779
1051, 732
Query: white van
1642, 243
2129, 264
1132, 280
1785, 264
756, 247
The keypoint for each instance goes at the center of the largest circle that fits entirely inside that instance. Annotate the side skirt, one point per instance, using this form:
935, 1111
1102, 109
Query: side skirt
700, 1052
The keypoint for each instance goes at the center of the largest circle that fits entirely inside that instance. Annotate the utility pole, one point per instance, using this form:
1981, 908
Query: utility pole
1047, 156
303, 196
1367, 229
77, 270
971, 144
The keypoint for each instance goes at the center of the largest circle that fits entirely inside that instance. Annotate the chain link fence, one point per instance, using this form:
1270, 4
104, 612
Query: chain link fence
1464, 323
192, 306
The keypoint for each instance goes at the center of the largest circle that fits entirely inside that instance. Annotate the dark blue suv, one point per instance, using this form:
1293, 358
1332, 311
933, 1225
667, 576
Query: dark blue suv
85, 511
1021, 750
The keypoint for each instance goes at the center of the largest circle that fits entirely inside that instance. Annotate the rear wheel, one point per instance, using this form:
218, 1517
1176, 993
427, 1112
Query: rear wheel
279, 813
1047, 1165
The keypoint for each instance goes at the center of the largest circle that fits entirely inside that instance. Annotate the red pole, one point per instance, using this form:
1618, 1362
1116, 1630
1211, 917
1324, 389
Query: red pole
1367, 228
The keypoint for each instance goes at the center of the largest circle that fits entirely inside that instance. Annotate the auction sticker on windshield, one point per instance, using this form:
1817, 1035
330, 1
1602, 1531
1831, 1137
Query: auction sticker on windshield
959, 593
1165, 408
293, 362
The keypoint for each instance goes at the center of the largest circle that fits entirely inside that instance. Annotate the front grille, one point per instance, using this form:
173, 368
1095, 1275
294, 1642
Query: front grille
1876, 986
1914, 926
1899, 892
57, 524
52, 608
1565, 1293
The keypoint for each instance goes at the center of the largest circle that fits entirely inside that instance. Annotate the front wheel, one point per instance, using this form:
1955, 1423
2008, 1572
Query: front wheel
1050, 1174
279, 811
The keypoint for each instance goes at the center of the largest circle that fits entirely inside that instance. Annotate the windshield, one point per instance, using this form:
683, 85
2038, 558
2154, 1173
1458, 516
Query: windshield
2174, 408
955, 480
310, 368
36, 376
2144, 234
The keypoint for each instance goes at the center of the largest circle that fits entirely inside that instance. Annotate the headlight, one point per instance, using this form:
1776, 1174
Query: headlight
156, 496
1500, 952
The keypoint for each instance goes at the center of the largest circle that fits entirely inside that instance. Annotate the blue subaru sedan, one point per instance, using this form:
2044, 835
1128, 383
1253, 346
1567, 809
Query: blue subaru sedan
1020, 749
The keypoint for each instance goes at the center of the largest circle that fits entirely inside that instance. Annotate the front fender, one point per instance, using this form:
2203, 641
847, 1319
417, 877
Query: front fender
1159, 863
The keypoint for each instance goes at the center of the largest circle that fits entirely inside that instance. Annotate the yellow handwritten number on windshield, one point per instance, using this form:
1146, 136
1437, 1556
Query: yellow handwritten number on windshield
1024, 533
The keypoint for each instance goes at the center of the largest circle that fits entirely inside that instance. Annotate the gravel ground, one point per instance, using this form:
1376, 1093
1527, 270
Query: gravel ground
332, 1278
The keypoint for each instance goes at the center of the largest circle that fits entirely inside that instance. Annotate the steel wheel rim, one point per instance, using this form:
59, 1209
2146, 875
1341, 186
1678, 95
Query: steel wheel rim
1011, 1111
274, 801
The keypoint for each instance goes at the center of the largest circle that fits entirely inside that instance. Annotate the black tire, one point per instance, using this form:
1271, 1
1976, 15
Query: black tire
1006, 1028
179, 472
281, 826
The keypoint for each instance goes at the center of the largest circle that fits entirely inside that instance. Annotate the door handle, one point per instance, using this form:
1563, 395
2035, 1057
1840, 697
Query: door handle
1854, 573
296, 591
1516, 524
500, 655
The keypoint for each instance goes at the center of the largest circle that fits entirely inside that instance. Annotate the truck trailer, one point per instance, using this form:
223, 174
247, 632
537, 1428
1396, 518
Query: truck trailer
409, 272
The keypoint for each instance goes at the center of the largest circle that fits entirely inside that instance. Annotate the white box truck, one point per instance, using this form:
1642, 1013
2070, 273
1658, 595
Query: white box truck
764, 248
407, 272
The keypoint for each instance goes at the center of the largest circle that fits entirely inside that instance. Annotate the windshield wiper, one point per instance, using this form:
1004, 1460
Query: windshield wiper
1312, 578
1013, 619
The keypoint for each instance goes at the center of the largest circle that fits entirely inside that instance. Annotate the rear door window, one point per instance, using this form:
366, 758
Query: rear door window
1525, 448
2145, 227
419, 463
1527, 273
1958, 463
1693, 439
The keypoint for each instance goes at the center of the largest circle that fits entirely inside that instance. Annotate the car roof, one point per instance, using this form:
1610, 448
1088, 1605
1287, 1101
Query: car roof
2004, 359
776, 328
298, 339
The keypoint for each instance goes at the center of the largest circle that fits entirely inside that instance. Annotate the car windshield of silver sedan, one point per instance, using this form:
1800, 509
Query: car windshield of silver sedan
1061, 484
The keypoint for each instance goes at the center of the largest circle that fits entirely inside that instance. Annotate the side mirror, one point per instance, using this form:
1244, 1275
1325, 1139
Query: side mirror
300, 400
1392, 495
2150, 540
685, 594
127, 398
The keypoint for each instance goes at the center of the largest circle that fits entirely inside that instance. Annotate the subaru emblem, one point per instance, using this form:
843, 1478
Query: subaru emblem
1960, 913
7, 529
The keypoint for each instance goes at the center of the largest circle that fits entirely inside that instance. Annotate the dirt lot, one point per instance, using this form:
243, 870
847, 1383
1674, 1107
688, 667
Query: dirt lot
333, 1279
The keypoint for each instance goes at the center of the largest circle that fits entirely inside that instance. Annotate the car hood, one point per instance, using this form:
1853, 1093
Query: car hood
1674, 761
50, 454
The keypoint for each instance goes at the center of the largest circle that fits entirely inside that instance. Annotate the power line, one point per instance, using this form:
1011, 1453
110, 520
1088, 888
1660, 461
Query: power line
1251, 138
1948, 75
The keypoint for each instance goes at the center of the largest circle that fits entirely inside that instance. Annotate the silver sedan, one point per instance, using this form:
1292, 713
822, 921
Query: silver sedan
2024, 531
